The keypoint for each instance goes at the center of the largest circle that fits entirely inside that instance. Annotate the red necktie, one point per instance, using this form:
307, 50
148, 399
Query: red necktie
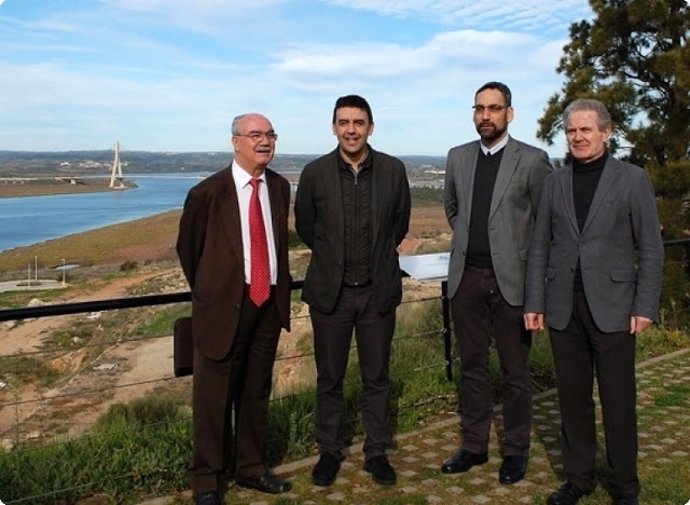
260, 283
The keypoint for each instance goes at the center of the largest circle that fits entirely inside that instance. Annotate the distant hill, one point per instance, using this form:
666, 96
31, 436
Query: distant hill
19, 163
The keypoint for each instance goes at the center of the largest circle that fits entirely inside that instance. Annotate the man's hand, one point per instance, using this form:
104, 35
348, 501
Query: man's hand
533, 321
638, 324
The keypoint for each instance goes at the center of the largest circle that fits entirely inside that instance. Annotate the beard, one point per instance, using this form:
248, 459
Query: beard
488, 131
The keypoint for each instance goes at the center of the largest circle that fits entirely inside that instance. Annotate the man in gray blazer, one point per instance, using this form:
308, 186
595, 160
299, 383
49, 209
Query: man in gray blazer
352, 209
492, 190
594, 271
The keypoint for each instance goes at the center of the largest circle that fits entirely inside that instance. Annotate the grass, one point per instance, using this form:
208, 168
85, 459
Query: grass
13, 299
161, 320
142, 447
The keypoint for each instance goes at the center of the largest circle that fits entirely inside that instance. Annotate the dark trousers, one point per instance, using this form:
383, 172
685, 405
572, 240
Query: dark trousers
578, 351
332, 337
480, 313
243, 380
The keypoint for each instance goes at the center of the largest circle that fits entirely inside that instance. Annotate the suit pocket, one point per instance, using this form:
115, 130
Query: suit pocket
623, 275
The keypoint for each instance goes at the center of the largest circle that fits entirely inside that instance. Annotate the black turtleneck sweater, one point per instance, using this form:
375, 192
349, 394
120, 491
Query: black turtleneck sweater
585, 181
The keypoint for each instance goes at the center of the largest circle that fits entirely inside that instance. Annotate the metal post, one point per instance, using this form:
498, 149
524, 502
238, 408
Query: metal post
63, 271
36, 268
445, 304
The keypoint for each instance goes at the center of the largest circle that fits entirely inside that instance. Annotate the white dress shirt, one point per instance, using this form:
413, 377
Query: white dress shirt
244, 193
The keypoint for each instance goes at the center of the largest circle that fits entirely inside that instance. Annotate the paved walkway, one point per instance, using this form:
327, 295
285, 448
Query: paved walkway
664, 436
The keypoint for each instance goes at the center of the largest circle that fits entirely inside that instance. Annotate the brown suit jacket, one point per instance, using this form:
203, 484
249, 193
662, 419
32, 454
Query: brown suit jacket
209, 245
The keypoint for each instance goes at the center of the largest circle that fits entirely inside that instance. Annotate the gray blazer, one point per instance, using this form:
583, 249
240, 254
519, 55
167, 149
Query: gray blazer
511, 216
320, 223
620, 250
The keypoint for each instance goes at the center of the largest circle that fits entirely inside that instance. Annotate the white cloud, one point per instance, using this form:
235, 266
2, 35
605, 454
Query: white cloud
206, 16
154, 78
514, 14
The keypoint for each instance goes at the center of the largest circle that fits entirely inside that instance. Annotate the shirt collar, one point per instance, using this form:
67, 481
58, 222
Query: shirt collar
242, 177
495, 148
366, 164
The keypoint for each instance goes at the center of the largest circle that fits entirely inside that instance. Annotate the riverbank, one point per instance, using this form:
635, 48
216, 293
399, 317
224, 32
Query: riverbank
153, 238
148, 239
13, 187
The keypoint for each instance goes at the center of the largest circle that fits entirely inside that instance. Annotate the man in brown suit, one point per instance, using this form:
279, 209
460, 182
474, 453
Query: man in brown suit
235, 337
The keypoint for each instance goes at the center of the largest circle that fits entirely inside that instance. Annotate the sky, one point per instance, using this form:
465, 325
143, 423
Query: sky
169, 75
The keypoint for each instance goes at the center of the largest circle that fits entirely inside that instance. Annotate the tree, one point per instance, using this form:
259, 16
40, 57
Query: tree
634, 57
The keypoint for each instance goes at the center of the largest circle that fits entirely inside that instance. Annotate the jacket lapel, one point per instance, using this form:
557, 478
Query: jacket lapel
468, 167
506, 169
277, 205
230, 216
379, 191
330, 179
608, 177
566, 199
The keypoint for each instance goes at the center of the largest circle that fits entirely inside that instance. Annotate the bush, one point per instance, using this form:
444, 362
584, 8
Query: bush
128, 266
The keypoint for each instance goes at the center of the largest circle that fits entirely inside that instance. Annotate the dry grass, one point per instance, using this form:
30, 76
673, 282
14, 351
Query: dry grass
153, 239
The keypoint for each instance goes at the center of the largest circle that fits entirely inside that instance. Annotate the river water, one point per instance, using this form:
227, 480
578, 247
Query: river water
32, 219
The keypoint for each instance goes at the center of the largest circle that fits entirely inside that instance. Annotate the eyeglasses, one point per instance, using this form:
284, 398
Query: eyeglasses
256, 137
492, 108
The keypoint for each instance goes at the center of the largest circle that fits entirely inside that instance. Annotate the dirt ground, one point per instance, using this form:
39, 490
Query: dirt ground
141, 363
128, 370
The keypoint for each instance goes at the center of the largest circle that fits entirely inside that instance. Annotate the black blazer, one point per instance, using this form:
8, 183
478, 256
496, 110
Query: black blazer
209, 245
319, 221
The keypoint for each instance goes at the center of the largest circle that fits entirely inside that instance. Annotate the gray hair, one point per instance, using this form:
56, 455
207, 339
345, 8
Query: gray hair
603, 116
236, 123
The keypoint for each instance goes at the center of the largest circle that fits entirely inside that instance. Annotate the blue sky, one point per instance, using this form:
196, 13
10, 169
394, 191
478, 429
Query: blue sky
169, 75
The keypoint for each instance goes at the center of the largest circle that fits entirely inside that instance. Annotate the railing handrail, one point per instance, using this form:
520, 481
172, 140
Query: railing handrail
62, 309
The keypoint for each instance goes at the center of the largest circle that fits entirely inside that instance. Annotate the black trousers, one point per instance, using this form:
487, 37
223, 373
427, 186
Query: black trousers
578, 351
243, 380
356, 311
481, 314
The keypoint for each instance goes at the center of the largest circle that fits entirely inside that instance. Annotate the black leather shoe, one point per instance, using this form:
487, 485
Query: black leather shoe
567, 494
326, 469
381, 470
266, 483
512, 469
208, 498
463, 461
626, 500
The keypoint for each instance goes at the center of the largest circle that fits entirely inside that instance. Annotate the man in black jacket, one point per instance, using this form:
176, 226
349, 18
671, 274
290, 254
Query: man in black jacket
352, 210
